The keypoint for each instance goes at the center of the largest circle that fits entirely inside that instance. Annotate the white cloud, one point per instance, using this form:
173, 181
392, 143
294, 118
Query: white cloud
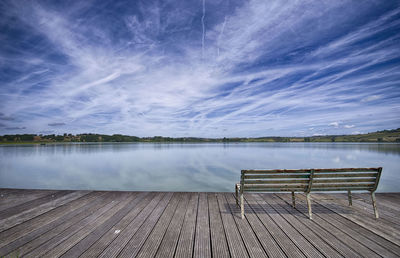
334, 124
348, 126
371, 98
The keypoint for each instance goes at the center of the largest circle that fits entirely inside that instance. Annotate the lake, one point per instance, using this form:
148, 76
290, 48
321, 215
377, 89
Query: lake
212, 167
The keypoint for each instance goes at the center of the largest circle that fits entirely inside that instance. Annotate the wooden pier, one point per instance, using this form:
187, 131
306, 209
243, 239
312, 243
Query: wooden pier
45, 223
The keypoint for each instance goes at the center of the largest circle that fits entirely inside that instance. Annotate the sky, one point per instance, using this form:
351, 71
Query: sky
221, 68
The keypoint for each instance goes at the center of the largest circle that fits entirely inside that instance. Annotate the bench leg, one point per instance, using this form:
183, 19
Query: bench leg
374, 204
293, 200
349, 196
309, 206
242, 205
236, 192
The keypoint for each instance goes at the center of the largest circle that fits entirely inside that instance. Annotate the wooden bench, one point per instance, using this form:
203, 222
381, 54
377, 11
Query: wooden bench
307, 180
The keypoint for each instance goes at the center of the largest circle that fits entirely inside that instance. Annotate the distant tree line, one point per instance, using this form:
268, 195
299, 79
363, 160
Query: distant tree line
380, 136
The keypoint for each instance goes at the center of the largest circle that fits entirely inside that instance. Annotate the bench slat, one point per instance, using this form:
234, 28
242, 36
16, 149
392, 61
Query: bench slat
346, 175
317, 185
275, 186
275, 176
344, 180
305, 181
322, 170
276, 190
276, 171
353, 188
345, 170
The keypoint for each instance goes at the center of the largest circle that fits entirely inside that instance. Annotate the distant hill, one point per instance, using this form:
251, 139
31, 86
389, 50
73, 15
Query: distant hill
380, 136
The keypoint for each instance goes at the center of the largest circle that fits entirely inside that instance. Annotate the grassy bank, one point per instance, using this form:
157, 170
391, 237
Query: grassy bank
380, 136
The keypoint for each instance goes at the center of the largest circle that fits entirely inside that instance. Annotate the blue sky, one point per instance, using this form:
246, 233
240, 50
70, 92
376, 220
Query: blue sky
199, 68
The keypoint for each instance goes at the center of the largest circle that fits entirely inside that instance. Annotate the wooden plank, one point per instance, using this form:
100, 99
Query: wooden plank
292, 233
392, 194
96, 234
233, 237
30, 229
327, 242
253, 246
66, 222
361, 218
202, 244
42, 234
263, 212
168, 245
115, 247
393, 197
361, 240
120, 202
385, 213
136, 242
144, 199
217, 233
51, 244
46, 204
153, 241
383, 199
302, 225
13, 198
368, 207
11, 190
7, 213
317, 228
270, 245
185, 244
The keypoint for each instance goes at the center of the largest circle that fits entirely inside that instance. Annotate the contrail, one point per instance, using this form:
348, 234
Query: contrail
220, 35
204, 29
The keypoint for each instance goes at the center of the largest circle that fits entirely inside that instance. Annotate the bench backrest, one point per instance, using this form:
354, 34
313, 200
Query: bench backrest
306, 180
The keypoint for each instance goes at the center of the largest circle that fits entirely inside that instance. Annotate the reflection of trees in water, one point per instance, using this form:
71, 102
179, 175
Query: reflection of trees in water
73, 148
387, 148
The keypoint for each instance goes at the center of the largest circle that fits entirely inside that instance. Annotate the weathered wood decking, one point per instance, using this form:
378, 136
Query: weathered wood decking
37, 223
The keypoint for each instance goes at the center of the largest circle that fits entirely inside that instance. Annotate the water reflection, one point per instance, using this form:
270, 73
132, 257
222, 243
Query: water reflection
179, 167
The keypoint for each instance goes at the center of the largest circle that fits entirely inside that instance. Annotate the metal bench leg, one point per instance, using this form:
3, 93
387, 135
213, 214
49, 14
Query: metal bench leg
242, 205
293, 200
309, 206
349, 196
374, 205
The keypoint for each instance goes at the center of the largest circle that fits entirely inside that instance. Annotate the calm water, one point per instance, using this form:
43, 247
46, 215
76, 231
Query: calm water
180, 167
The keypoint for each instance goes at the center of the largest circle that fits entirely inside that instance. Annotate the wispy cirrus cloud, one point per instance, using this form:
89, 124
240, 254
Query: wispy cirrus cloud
5, 118
56, 124
180, 68
371, 98
16, 128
